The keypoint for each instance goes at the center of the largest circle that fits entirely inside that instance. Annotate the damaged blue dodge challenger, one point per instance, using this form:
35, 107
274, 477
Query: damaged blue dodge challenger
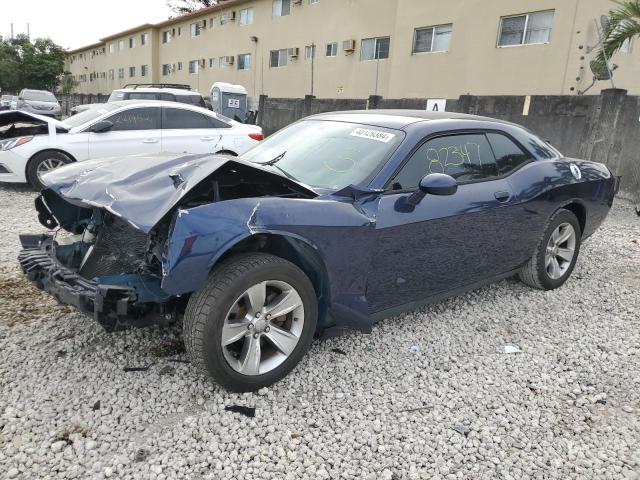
334, 222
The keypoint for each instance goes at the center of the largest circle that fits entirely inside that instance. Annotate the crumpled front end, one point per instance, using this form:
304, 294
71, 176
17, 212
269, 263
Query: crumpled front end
102, 270
112, 262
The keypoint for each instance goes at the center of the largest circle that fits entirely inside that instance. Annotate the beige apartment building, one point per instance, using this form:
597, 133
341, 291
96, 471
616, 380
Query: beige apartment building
357, 48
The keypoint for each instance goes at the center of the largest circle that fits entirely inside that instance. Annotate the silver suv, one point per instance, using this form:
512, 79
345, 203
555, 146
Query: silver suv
40, 102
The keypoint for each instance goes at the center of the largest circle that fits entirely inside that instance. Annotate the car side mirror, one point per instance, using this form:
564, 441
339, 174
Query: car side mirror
101, 126
434, 184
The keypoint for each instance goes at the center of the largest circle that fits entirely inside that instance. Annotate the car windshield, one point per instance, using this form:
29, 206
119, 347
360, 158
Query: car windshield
116, 95
327, 154
88, 115
39, 96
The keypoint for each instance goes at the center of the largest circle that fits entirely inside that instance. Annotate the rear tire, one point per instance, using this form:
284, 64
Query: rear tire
556, 253
229, 319
44, 162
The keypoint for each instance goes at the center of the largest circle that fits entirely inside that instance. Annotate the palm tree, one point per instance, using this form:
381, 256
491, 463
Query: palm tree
623, 25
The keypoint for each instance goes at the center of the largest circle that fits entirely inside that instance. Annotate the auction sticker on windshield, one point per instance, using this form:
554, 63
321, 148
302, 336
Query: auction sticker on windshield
373, 135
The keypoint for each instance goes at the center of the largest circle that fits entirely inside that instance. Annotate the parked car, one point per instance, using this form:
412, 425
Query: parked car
39, 102
31, 145
8, 102
336, 221
169, 92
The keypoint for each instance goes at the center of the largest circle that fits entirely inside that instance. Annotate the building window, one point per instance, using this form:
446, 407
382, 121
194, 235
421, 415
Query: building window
132, 42
179, 66
112, 74
144, 70
244, 61
132, 72
195, 29
112, 48
309, 52
212, 62
246, 16
121, 72
281, 8
332, 49
193, 66
526, 29
179, 31
166, 36
278, 58
313, 2
375, 48
212, 22
166, 69
121, 45
432, 39
144, 38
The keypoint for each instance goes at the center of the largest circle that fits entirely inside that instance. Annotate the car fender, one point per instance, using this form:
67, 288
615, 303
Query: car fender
336, 230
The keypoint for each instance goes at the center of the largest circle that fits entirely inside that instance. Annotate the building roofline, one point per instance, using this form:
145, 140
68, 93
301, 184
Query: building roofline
170, 21
87, 47
144, 26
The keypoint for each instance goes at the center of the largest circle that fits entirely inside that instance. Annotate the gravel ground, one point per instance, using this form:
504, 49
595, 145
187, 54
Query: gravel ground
430, 394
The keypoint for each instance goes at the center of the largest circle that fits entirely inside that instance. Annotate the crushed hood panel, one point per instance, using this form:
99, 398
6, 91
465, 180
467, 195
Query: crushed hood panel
141, 189
16, 116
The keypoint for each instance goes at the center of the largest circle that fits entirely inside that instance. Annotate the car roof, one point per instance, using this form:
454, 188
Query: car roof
174, 91
398, 119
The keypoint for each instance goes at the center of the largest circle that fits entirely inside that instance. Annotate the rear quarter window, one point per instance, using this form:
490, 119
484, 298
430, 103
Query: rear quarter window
509, 156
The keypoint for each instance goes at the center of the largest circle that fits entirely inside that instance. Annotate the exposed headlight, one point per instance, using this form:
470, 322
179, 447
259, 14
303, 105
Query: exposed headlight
14, 142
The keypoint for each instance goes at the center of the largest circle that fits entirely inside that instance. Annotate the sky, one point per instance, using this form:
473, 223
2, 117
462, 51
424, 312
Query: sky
76, 23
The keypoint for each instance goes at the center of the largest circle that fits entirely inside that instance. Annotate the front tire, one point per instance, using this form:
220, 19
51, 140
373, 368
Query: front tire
252, 323
556, 253
42, 163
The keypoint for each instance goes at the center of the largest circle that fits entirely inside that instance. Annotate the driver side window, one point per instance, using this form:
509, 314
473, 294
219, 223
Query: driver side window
466, 157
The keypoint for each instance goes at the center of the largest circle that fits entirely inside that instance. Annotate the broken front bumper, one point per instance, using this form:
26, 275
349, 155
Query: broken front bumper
113, 301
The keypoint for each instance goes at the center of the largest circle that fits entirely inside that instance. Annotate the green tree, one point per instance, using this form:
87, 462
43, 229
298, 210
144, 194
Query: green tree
9, 67
26, 64
181, 7
623, 25
67, 83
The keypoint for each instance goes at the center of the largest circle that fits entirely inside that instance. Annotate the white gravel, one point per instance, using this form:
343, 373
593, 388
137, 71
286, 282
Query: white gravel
431, 394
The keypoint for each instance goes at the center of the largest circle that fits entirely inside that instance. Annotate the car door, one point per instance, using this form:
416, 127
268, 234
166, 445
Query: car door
445, 242
135, 130
188, 131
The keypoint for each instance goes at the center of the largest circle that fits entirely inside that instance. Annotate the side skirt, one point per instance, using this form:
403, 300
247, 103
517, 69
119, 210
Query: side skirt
390, 312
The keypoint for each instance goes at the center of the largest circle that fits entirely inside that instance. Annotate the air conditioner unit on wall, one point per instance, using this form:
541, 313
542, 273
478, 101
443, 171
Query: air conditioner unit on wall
229, 60
293, 52
349, 45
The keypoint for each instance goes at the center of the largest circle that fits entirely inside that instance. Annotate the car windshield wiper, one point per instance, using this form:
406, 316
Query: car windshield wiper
272, 163
275, 160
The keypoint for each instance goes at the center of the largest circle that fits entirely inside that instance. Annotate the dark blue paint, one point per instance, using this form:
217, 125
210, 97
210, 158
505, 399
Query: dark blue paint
375, 255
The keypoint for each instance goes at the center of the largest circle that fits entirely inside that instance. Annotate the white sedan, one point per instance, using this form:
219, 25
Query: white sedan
31, 144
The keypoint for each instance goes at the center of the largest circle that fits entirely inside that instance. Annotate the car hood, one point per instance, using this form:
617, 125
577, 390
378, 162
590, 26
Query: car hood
16, 116
142, 189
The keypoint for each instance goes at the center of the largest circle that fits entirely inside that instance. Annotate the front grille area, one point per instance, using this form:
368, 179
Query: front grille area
119, 248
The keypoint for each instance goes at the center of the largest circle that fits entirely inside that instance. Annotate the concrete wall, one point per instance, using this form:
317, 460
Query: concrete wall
604, 128
473, 64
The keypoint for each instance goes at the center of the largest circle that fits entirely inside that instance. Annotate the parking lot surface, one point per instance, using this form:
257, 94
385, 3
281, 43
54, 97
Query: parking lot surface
430, 394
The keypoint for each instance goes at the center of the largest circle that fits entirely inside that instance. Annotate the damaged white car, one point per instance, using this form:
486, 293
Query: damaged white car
31, 144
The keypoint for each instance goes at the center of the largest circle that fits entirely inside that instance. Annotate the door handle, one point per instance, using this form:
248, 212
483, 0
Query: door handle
150, 140
207, 139
502, 196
